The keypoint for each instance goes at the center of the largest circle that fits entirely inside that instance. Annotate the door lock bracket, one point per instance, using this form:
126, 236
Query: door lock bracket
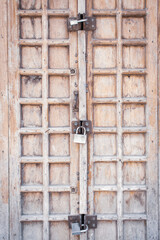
81, 223
82, 22
86, 124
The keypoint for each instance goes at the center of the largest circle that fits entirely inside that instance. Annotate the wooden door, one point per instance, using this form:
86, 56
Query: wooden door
114, 68
122, 104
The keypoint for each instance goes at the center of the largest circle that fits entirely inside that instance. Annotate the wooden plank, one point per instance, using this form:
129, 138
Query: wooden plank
14, 144
4, 201
152, 200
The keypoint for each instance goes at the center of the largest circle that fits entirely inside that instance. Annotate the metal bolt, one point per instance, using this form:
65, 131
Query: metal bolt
75, 124
72, 71
87, 129
86, 123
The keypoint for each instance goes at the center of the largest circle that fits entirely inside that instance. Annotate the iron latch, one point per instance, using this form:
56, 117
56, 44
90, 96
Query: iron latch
85, 124
81, 223
82, 22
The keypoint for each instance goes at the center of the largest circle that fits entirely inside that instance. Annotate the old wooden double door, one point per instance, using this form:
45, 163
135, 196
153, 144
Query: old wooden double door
114, 69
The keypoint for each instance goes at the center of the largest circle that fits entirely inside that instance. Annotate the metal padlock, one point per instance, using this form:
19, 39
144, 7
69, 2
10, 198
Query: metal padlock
80, 138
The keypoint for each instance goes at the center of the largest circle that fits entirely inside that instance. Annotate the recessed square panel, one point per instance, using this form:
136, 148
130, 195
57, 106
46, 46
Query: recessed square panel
59, 145
31, 145
105, 202
32, 230
58, 57
31, 57
105, 28
106, 229
107, 113
133, 27
134, 86
105, 173
104, 56
58, 28
105, 144
32, 203
58, 4
31, 86
59, 203
31, 115
134, 202
104, 86
104, 4
30, 4
134, 144
59, 174
134, 57
134, 115
59, 230
31, 174
59, 115
59, 87
134, 173
133, 4
30, 27
134, 230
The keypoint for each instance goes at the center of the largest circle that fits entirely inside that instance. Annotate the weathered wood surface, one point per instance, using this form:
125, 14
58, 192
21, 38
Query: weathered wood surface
4, 194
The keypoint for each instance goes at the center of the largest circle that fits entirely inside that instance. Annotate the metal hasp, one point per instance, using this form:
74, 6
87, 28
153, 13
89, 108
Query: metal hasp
82, 22
75, 102
80, 224
86, 124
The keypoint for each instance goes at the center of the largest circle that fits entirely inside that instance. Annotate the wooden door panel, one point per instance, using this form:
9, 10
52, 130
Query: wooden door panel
120, 79
44, 157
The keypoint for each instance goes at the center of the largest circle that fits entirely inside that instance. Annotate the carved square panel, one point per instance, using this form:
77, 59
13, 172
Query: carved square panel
31, 86
59, 230
134, 57
32, 203
107, 32
134, 202
104, 86
134, 173
134, 230
59, 145
133, 4
31, 174
58, 4
58, 57
104, 57
32, 230
134, 144
30, 4
134, 86
31, 115
31, 145
134, 115
58, 28
105, 173
59, 87
133, 27
30, 27
104, 4
105, 144
105, 202
106, 228
105, 115
31, 57
59, 203
59, 115
59, 174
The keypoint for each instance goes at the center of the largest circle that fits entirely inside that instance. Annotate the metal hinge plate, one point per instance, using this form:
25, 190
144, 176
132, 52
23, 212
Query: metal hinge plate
86, 124
89, 220
82, 22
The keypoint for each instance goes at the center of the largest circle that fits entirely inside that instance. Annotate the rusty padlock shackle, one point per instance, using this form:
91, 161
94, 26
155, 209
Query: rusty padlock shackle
85, 132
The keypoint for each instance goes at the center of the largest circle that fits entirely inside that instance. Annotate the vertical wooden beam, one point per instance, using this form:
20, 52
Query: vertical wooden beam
45, 119
158, 54
152, 161
4, 201
119, 121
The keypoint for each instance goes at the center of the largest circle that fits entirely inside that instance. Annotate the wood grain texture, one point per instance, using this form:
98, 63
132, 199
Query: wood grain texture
4, 194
